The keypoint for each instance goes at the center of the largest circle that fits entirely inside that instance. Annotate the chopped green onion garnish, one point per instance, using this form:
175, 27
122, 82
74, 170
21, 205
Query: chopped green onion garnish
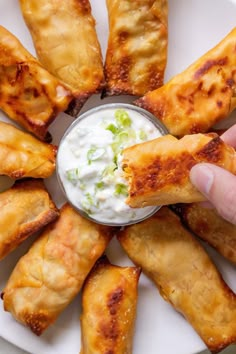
132, 133
87, 203
82, 186
142, 135
122, 118
94, 154
100, 185
122, 137
119, 141
72, 175
109, 170
115, 160
115, 147
121, 189
89, 199
86, 207
112, 128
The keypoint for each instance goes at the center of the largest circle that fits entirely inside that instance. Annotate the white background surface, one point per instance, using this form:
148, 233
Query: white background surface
194, 27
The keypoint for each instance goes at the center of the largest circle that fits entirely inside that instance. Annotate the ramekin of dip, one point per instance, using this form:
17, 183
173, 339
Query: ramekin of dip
89, 161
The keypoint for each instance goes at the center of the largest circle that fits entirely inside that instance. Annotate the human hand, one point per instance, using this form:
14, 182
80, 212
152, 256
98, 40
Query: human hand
217, 184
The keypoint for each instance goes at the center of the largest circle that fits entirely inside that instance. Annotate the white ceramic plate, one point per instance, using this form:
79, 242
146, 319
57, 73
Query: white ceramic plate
194, 27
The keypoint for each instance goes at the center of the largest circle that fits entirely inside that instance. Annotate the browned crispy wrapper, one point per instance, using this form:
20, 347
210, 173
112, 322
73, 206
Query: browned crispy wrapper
29, 94
25, 209
22, 155
157, 171
185, 276
65, 39
210, 227
137, 46
199, 97
109, 301
47, 278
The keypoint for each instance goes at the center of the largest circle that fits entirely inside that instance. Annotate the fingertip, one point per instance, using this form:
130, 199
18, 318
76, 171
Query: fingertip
229, 136
219, 187
202, 177
206, 205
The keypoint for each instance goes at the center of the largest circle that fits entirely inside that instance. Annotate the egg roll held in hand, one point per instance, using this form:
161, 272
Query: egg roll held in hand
50, 275
211, 227
65, 39
157, 171
25, 209
199, 97
28, 93
109, 300
185, 276
137, 46
22, 155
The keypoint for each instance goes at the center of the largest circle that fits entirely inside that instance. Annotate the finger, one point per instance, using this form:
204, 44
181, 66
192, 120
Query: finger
206, 205
218, 186
230, 136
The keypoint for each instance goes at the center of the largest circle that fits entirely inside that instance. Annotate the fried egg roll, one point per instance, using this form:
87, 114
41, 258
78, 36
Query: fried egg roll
137, 46
157, 171
185, 276
25, 209
29, 94
210, 227
109, 301
65, 39
199, 97
22, 155
50, 275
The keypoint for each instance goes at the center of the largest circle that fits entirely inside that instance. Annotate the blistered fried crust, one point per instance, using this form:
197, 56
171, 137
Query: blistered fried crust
66, 43
184, 275
49, 276
137, 46
109, 301
25, 209
28, 93
199, 97
211, 227
22, 155
157, 171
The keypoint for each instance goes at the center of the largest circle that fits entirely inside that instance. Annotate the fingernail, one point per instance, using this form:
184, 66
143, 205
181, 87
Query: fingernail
202, 178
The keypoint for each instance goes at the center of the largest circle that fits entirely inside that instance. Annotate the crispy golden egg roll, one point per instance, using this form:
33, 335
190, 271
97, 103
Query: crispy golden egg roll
211, 227
185, 276
137, 46
22, 155
109, 301
65, 39
28, 93
157, 171
50, 275
199, 97
25, 209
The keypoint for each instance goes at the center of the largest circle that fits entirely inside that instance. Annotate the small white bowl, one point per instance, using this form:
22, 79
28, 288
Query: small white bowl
92, 128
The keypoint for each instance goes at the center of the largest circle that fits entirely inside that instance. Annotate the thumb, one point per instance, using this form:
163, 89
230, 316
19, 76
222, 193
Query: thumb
218, 186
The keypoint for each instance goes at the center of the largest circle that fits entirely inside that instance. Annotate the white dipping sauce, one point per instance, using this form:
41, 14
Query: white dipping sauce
89, 163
